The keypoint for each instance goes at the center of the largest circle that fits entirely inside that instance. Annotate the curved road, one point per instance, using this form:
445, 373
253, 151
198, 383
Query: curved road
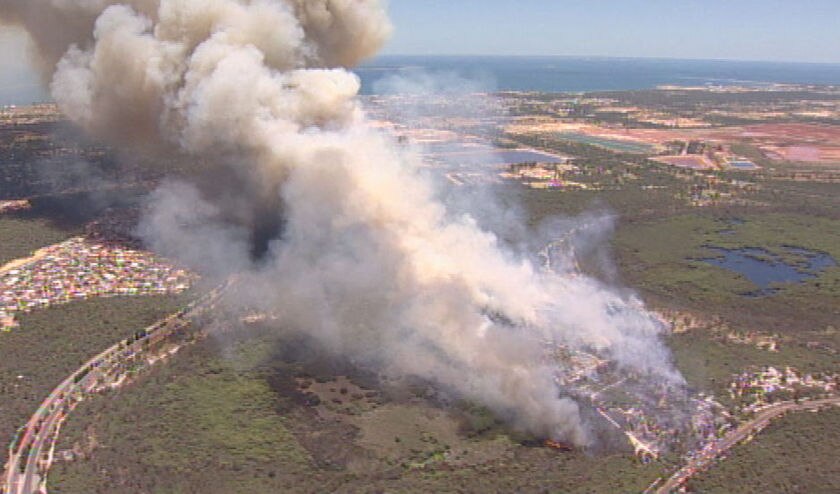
745, 430
30, 455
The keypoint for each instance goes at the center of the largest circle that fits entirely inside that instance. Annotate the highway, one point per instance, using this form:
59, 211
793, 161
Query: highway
30, 455
762, 419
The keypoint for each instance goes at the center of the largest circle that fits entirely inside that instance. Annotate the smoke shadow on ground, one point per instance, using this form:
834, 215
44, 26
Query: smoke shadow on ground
295, 365
72, 211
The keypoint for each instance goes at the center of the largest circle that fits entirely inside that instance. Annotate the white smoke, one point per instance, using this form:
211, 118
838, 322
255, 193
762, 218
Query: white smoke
369, 260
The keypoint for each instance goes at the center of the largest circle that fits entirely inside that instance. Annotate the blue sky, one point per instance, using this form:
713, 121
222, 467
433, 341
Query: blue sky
789, 30
18, 81
776, 30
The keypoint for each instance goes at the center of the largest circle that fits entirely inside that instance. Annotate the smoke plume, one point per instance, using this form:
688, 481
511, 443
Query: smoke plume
331, 225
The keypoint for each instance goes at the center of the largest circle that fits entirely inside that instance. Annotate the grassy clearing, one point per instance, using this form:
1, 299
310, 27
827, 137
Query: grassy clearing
230, 412
52, 343
20, 238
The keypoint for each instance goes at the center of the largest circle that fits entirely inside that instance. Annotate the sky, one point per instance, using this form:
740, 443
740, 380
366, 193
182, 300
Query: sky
18, 81
774, 30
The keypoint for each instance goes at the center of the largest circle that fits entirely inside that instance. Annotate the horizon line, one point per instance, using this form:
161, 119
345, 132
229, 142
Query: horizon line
606, 57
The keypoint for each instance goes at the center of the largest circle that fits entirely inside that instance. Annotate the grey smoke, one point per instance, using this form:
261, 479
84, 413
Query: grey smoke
369, 260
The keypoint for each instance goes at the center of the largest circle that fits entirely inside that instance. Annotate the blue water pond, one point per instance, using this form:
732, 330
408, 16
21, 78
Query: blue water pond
766, 270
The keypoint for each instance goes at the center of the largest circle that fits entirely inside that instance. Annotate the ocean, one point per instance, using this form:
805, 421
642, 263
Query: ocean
545, 74
570, 74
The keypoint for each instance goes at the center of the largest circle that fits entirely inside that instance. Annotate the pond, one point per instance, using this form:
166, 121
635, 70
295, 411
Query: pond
744, 165
765, 269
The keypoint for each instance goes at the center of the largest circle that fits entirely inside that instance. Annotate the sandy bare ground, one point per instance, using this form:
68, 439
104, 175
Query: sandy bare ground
812, 143
23, 261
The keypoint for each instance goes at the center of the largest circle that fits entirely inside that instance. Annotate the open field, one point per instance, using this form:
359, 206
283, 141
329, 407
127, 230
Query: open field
20, 237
